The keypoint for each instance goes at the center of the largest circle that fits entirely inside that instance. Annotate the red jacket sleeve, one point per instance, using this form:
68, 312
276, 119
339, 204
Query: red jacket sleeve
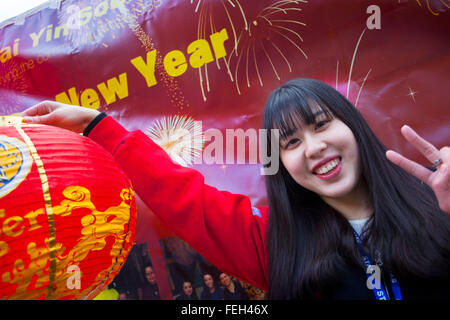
222, 227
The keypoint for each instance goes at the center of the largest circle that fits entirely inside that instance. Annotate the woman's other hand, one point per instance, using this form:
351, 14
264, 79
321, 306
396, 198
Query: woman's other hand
61, 115
438, 180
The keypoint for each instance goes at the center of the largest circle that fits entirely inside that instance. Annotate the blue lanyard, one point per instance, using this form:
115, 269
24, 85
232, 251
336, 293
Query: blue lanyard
380, 292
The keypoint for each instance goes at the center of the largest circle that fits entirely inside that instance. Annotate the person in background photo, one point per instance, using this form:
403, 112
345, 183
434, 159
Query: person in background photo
232, 289
210, 290
188, 292
151, 290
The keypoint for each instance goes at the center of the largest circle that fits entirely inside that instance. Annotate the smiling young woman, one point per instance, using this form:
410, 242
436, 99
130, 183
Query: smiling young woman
338, 203
323, 157
334, 170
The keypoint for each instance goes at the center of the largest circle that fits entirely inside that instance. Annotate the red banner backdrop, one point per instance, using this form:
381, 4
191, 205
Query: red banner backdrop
216, 61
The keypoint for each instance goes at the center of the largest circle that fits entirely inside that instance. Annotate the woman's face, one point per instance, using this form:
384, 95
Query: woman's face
208, 281
323, 157
187, 288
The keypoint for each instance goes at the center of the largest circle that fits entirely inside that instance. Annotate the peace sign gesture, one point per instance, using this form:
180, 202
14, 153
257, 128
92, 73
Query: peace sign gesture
438, 180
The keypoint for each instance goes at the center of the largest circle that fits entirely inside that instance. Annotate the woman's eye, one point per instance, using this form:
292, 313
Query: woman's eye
321, 123
292, 142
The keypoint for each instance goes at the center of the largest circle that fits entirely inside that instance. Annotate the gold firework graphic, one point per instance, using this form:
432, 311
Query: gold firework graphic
180, 136
273, 29
206, 25
440, 5
349, 79
258, 40
170, 84
206, 14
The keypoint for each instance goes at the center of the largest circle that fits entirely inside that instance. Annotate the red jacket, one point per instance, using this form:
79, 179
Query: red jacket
223, 227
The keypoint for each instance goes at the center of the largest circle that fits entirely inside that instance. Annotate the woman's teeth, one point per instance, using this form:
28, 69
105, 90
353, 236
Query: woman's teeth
328, 166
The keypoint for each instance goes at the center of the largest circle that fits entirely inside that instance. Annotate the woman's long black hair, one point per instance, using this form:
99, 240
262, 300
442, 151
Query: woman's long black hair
308, 241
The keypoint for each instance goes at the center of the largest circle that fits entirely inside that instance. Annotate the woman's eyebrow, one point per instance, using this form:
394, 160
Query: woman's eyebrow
288, 133
318, 113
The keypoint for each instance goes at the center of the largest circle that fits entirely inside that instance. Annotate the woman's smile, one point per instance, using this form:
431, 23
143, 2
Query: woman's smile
328, 168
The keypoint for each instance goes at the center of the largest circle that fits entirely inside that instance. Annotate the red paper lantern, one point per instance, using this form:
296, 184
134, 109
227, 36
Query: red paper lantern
67, 214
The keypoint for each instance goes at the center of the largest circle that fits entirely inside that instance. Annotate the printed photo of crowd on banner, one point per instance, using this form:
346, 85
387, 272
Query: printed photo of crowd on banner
191, 277
225, 150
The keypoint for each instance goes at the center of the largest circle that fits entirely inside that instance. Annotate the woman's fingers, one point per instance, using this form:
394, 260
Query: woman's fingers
441, 186
39, 109
439, 180
442, 179
410, 166
423, 146
74, 118
44, 119
39, 113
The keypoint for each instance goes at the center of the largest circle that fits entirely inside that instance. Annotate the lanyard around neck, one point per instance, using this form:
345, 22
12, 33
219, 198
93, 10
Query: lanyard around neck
379, 291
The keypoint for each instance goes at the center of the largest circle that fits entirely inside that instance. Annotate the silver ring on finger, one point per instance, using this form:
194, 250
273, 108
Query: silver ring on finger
437, 163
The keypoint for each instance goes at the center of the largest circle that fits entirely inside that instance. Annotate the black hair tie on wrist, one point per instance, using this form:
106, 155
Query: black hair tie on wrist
93, 123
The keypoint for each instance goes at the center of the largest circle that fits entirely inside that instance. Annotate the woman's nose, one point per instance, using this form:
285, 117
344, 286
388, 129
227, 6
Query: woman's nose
313, 146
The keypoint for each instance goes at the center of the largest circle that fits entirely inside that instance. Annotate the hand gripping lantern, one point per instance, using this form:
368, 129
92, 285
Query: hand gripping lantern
67, 214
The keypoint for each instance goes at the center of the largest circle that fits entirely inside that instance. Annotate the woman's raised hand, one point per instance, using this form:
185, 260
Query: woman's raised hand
438, 180
61, 115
